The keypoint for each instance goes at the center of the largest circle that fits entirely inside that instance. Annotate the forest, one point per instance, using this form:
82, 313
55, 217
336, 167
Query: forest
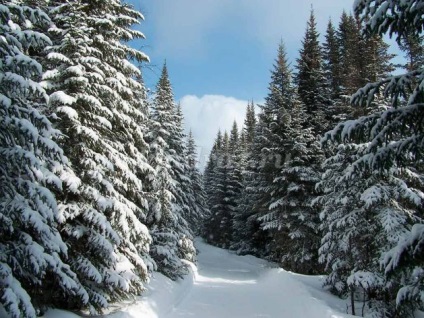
100, 185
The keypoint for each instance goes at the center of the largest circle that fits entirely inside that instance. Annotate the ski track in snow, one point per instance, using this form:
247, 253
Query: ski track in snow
225, 285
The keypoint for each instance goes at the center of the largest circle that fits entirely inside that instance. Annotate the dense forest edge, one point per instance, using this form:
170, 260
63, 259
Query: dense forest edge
100, 187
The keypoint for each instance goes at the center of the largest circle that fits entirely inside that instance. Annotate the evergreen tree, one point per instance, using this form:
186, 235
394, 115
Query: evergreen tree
208, 175
413, 47
350, 46
250, 124
364, 215
198, 202
333, 76
169, 211
96, 98
310, 77
33, 269
218, 226
265, 156
292, 217
392, 138
331, 62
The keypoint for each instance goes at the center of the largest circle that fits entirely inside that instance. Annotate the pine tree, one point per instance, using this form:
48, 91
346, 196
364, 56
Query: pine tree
351, 46
310, 77
96, 98
332, 74
364, 215
218, 226
392, 139
266, 155
250, 124
241, 225
413, 47
292, 217
208, 175
33, 269
169, 204
199, 205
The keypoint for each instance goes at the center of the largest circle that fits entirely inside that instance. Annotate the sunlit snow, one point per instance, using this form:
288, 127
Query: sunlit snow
227, 285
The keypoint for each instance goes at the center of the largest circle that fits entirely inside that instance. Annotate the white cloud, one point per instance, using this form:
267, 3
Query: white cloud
205, 115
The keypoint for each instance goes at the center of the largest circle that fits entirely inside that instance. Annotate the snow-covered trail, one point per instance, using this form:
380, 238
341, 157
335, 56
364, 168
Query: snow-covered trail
228, 285
225, 285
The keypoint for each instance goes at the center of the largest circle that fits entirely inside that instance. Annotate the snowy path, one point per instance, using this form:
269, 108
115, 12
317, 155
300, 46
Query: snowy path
227, 285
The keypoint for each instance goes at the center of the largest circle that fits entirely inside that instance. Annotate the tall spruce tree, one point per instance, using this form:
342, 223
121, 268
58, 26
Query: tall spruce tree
33, 269
168, 214
292, 218
349, 40
310, 78
265, 156
198, 201
388, 144
333, 76
364, 215
413, 47
250, 123
218, 226
95, 96
242, 225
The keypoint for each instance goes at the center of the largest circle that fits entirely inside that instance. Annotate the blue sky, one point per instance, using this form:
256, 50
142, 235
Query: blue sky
219, 52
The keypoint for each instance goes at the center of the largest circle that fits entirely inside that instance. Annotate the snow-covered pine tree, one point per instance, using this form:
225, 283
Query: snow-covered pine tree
310, 78
95, 96
250, 124
235, 177
267, 152
198, 202
331, 64
209, 174
184, 192
33, 272
392, 137
333, 76
293, 219
365, 213
349, 41
243, 225
218, 226
167, 216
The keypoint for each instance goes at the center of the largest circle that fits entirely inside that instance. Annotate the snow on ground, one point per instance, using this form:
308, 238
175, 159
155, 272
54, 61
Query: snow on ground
225, 285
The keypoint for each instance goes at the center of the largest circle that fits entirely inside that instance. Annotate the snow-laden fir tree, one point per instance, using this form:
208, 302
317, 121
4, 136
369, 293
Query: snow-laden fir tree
33, 272
267, 154
292, 218
218, 226
235, 185
332, 69
392, 138
96, 98
198, 201
243, 225
185, 196
364, 215
250, 124
208, 174
310, 78
169, 206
